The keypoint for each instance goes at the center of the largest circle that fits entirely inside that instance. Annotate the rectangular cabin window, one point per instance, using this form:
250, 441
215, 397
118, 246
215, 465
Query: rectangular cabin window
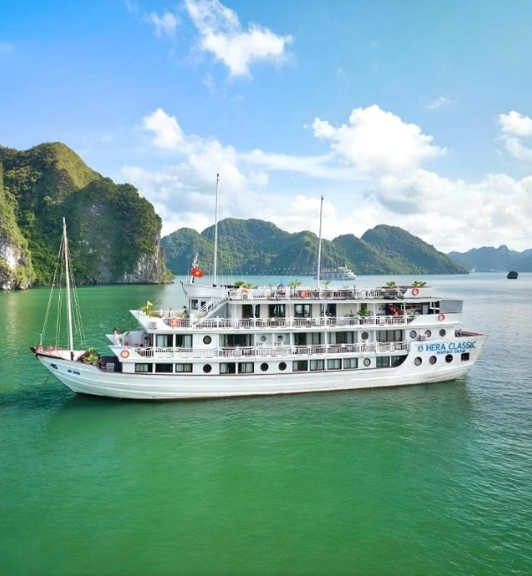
328, 310
247, 311
183, 340
143, 367
389, 336
382, 362
334, 364
307, 338
397, 360
350, 363
300, 366
183, 367
163, 368
316, 365
232, 340
277, 310
345, 337
228, 368
464, 356
245, 367
303, 310
164, 340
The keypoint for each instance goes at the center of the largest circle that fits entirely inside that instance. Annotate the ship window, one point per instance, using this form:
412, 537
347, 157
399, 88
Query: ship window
163, 368
207, 368
182, 341
382, 362
449, 358
183, 367
428, 333
300, 366
433, 360
389, 336
350, 363
464, 357
303, 310
232, 340
207, 340
164, 340
364, 335
317, 365
264, 367
247, 311
418, 361
245, 367
413, 334
344, 337
277, 310
143, 367
334, 364
442, 332
282, 366
397, 360
194, 304
228, 368
367, 361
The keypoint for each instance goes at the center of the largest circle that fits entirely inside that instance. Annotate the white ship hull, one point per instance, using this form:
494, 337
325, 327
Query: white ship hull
86, 379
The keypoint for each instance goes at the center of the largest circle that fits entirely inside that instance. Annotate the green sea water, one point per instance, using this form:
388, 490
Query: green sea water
428, 480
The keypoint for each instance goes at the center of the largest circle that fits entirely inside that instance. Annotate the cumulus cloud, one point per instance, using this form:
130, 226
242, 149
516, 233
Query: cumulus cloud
366, 181
165, 25
222, 35
516, 123
378, 141
514, 127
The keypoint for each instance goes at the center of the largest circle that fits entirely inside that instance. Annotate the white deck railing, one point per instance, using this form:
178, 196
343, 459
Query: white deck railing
264, 351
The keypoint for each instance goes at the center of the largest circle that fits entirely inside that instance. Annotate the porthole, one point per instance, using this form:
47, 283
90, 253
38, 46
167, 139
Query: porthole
207, 368
449, 358
263, 338
207, 340
413, 334
428, 333
367, 362
433, 360
418, 361
364, 335
443, 332
280, 338
264, 367
282, 366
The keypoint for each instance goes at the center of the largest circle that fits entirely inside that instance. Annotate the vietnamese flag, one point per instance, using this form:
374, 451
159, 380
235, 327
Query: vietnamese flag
196, 272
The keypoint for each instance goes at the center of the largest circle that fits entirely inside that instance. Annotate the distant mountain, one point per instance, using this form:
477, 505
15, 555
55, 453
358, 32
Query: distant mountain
489, 259
114, 233
257, 247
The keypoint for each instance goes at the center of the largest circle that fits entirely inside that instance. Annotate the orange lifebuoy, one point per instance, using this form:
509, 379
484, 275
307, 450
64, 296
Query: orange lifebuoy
303, 293
124, 354
415, 291
441, 317
173, 322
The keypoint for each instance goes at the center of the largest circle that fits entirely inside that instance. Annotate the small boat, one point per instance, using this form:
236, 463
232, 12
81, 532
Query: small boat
512, 275
237, 341
339, 273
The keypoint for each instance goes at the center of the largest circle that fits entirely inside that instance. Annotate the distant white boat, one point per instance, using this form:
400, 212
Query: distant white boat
339, 273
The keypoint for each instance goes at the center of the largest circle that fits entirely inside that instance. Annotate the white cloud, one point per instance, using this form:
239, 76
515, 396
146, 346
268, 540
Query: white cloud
514, 127
378, 141
222, 35
439, 102
516, 123
364, 185
165, 25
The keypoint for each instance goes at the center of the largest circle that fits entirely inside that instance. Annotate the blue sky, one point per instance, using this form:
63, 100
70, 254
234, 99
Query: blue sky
411, 113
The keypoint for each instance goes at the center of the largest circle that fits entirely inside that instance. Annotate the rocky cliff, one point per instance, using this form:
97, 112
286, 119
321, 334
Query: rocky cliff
114, 233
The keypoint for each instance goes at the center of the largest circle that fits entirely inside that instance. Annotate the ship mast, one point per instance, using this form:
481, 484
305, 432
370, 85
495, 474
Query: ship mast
67, 273
215, 265
319, 244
